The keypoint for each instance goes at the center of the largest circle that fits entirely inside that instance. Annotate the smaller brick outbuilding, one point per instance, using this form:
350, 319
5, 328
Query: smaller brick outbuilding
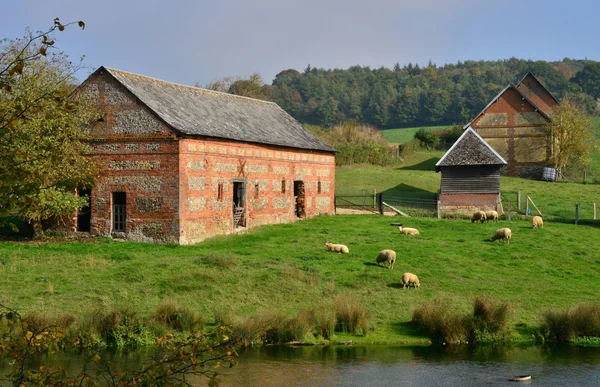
180, 164
470, 175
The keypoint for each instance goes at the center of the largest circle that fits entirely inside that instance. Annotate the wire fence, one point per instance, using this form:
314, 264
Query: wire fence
522, 204
369, 201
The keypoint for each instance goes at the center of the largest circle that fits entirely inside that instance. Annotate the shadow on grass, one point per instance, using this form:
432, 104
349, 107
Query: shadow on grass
395, 285
371, 264
427, 165
406, 329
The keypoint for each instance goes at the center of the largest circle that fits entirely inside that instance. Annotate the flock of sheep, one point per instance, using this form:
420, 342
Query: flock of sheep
389, 256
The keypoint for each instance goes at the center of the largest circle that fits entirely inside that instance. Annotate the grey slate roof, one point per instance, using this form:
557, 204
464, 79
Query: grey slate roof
470, 149
199, 112
509, 86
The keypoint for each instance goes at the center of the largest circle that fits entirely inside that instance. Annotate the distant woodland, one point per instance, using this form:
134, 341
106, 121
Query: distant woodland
412, 95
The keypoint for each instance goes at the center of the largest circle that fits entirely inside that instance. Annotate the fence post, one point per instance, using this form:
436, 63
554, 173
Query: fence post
509, 208
594, 211
584, 176
380, 196
374, 198
334, 205
519, 200
439, 209
577, 213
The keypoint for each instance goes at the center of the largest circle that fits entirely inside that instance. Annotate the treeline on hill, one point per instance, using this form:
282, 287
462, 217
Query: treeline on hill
412, 95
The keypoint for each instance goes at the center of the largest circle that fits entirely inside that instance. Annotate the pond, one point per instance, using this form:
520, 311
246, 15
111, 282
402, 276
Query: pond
380, 365
415, 366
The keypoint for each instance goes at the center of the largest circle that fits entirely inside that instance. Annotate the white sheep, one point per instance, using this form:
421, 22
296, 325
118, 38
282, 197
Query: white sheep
410, 278
388, 256
537, 221
342, 249
478, 216
502, 233
408, 230
491, 215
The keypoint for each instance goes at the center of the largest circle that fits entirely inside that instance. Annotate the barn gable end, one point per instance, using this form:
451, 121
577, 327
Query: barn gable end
514, 126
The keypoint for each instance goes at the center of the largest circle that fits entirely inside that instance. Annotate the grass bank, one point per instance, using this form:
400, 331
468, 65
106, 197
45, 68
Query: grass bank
404, 135
285, 268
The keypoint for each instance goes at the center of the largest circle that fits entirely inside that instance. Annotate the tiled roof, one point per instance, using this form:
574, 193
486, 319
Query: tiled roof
470, 149
199, 112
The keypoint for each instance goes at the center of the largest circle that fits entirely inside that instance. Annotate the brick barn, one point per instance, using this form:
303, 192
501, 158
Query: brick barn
470, 176
513, 124
180, 164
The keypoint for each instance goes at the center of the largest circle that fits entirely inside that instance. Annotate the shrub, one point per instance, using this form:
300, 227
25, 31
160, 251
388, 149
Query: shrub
251, 330
179, 318
488, 321
117, 328
427, 139
580, 321
357, 144
439, 324
324, 320
351, 316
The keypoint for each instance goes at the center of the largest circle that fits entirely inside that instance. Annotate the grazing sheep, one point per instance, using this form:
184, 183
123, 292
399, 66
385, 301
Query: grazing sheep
410, 278
502, 233
491, 215
537, 221
408, 230
478, 216
342, 249
388, 256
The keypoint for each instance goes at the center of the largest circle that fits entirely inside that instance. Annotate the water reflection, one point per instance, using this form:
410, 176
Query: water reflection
415, 366
388, 366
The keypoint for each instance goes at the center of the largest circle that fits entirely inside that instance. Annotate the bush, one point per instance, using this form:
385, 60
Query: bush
439, 324
357, 144
179, 318
488, 322
565, 325
351, 316
117, 328
427, 139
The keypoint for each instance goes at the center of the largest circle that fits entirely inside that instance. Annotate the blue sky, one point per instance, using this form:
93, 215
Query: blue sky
190, 41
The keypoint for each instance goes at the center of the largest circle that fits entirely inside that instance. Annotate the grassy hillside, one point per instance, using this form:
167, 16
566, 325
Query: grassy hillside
286, 268
404, 135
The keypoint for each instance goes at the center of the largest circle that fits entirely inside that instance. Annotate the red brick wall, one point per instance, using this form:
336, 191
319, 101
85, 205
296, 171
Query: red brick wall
136, 154
467, 203
171, 184
206, 163
515, 130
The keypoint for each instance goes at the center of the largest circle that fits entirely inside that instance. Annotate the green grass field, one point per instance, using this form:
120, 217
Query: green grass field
404, 135
417, 178
286, 268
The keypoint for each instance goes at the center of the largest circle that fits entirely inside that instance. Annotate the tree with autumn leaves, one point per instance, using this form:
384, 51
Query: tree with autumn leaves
42, 130
571, 135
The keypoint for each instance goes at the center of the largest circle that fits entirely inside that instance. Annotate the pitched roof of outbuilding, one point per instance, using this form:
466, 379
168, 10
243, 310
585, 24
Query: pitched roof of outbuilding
508, 87
199, 112
470, 149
